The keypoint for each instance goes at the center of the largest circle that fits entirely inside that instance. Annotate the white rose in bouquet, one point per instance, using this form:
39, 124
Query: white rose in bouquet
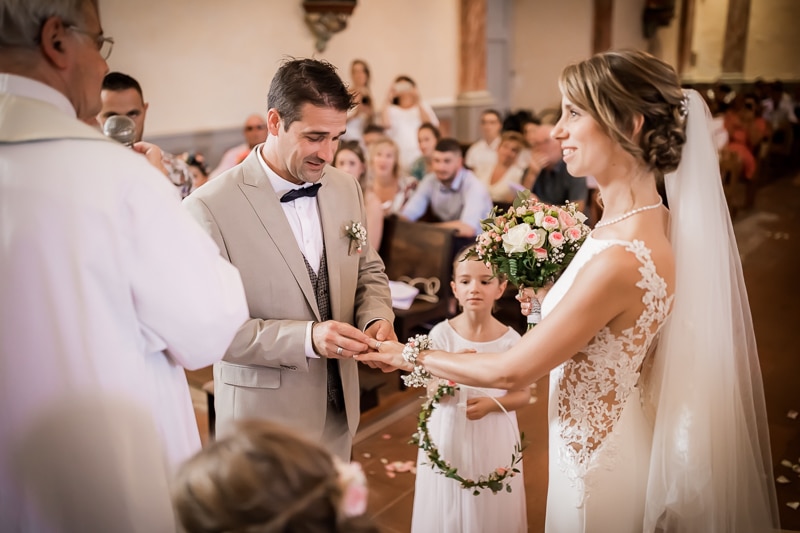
514, 241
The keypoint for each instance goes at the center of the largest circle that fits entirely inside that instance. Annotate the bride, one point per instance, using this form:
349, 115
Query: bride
657, 415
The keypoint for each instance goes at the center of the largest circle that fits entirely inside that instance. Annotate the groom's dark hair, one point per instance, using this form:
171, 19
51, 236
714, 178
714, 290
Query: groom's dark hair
300, 81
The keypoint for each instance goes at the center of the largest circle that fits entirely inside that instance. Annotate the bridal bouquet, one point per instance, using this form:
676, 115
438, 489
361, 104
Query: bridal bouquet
532, 242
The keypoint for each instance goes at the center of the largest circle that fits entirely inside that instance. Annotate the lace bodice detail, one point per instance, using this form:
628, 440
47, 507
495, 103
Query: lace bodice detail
594, 386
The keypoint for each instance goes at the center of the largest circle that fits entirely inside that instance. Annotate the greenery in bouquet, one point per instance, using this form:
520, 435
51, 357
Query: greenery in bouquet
532, 242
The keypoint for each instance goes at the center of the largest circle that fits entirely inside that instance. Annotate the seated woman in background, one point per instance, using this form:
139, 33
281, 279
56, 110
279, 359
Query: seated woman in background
505, 180
350, 158
266, 478
388, 190
427, 137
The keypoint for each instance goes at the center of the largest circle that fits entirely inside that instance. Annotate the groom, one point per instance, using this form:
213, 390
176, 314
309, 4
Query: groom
315, 300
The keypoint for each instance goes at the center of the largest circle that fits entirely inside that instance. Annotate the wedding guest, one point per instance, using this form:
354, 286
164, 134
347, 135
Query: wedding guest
122, 95
640, 439
481, 156
427, 137
349, 158
361, 115
264, 477
404, 112
198, 168
454, 196
109, 289
471, 424
388, 189
372, 133
255, 132
548, 177
529, 128
778, 108
504, 179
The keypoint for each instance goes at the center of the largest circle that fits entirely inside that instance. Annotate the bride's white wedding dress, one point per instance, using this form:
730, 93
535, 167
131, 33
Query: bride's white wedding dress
600, 438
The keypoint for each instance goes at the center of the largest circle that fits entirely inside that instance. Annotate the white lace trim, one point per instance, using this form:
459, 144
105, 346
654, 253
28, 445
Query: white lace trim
594, 386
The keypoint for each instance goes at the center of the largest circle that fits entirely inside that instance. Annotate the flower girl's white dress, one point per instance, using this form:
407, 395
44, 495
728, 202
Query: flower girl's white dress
475, 447
600, 438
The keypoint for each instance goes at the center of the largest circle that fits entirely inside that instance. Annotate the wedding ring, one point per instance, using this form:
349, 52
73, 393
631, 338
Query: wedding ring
339, 350
378, 345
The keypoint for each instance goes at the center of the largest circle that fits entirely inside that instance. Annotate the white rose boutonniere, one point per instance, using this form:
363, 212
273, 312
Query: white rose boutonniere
358, 236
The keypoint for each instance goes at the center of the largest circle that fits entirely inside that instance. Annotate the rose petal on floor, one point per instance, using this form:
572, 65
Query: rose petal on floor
782, 480
793, 505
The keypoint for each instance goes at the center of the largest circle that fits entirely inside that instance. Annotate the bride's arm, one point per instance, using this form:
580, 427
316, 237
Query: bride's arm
602, 291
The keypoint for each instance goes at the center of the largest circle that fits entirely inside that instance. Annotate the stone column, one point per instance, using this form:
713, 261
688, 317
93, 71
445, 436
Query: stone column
685, 33
473, 97
735, 37
601, 38
472, 33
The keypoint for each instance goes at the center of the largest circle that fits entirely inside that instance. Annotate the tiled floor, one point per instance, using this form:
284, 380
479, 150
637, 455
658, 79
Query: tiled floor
768, 242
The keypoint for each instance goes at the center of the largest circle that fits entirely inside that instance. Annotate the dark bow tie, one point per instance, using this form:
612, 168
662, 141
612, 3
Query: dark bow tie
294, 194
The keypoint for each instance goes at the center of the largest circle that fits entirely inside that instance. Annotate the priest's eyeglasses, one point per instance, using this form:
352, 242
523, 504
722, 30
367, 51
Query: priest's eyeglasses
104, 44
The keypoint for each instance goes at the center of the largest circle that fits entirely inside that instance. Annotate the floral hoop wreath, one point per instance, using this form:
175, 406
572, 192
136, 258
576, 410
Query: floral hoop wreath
496, 480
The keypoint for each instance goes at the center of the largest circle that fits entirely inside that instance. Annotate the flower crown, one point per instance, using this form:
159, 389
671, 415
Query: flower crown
496, 481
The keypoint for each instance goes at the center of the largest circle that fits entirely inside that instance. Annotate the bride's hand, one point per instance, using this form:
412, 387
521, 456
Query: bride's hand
526, 296
389, 355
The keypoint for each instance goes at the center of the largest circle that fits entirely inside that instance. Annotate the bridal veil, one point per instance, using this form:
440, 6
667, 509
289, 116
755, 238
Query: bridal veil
710, 465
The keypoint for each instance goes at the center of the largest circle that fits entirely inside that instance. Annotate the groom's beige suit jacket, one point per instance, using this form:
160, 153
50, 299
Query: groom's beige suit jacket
265, 372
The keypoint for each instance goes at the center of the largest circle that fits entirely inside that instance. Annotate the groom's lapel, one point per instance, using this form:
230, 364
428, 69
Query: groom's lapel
264, 201
330, 215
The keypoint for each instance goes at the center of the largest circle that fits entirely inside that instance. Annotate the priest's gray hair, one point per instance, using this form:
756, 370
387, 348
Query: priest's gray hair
21, 20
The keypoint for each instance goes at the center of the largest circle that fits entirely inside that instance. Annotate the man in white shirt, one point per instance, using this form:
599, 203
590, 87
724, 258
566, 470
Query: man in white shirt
481, 157
109, 289
255, 133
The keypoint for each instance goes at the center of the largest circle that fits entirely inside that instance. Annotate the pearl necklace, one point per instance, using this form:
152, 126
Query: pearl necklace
630, 213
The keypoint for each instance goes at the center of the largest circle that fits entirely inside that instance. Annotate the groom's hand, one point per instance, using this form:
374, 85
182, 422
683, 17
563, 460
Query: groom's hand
338, 340
381, 330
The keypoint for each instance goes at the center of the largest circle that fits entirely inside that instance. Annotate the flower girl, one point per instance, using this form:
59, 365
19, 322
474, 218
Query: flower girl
469, 429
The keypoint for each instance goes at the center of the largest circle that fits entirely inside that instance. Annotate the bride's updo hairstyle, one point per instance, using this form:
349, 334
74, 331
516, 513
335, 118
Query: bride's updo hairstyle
615, 87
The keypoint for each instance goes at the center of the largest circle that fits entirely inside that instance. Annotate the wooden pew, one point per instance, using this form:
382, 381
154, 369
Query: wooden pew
419, 250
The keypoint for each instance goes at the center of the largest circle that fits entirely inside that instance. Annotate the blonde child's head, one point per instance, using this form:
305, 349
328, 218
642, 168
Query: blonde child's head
474, 284
265, 478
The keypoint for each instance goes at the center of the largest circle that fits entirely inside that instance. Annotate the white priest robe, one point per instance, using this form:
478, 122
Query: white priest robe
107, 286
